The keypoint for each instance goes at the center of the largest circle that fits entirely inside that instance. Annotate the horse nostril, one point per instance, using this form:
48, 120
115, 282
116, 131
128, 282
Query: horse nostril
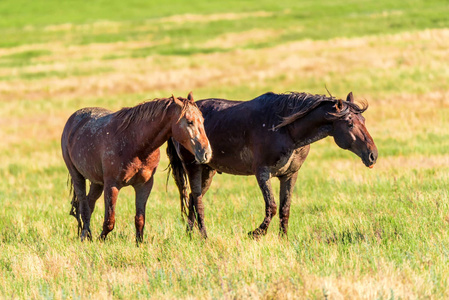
371, 157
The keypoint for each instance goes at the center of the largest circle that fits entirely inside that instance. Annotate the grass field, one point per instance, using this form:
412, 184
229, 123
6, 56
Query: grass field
354, 232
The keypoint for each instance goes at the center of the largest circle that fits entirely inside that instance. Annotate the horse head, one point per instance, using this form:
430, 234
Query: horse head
189, 131
349, 130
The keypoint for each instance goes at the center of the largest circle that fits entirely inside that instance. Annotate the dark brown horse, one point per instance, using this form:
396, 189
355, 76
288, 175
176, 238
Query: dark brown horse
269, 136
117, 149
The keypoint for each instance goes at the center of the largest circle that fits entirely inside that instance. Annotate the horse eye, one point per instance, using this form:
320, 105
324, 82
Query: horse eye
351, 125
190, 122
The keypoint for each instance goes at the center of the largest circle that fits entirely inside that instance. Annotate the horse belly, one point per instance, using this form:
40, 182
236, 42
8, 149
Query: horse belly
234, 162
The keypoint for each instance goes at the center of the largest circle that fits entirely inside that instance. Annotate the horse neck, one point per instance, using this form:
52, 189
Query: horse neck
152, 134
310, 128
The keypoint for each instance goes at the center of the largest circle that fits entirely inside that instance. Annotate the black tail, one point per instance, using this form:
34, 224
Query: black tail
74, 210
179, 175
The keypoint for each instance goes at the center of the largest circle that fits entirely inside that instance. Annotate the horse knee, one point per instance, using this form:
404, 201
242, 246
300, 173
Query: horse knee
197, 198
140, 222
285, 211
110, 224
272, 208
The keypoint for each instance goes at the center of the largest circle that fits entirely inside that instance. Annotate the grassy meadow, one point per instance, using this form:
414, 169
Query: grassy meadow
354, 232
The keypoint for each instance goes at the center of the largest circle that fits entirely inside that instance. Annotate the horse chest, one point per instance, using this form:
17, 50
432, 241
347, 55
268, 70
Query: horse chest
233, 162
290, 162
140, 170
283, 164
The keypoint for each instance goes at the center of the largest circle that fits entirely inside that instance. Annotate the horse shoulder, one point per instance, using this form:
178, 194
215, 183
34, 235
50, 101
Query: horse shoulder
290, 161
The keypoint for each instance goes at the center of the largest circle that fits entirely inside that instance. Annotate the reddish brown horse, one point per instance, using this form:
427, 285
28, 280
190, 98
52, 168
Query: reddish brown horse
113, 150
269, 136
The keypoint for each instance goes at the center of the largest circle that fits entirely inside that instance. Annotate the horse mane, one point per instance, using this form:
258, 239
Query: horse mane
148, 110
293, 106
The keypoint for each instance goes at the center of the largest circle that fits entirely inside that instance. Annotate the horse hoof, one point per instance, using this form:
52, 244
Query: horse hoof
139, 241
189, 231
252, 235
84, 238
102, 237
189, 227
283, 236
256, 234
85, 234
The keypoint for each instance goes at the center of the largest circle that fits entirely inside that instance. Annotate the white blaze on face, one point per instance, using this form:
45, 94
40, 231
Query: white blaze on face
192, 123
190, 127
191, 132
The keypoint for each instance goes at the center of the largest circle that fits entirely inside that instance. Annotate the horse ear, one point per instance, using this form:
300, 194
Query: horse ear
190, 97
176, 100
339, 105
350, 98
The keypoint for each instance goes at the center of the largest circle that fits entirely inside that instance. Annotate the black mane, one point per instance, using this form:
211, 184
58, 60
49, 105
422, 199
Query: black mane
293, 105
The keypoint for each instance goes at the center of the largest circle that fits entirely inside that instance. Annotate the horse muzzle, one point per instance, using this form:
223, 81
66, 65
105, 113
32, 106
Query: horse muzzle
203, 154
369, 158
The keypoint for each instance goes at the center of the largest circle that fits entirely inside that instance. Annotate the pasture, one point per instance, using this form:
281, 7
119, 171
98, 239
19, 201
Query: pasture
354, 232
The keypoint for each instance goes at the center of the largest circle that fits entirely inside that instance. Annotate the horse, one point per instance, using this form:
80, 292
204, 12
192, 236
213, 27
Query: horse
117, 149
268, 136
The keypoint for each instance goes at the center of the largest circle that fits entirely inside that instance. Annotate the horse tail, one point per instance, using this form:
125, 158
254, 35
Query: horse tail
179, 175
74, 210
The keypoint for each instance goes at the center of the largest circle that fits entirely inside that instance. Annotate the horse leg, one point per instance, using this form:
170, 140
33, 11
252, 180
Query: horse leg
196, 207
87, 207
287, 183
95, 191
193, 173
263, 179
79, 188
206, 178
110, 198
142, 193
207, 175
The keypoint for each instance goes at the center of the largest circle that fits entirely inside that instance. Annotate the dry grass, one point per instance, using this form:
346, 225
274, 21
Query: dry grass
185, 18
216, 17
313, 59
233, 40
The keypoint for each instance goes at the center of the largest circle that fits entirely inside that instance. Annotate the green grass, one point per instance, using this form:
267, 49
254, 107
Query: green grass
137, 21
339, 227
19, 14
54, 74
353, 232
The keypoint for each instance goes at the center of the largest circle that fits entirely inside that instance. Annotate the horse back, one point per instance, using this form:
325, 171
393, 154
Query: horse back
81, 117
241, 135
212, 105
89, 119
